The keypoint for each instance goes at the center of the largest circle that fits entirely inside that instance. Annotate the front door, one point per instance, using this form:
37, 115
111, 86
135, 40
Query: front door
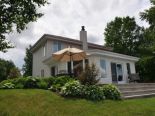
116, 72
53, 71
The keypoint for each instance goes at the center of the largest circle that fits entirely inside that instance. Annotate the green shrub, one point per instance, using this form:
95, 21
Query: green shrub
59, 82
72, 88
55, 88
19, 86
19, 82
75, 89
42, 84
62, 80
146, 69
89, 76
8, 86
26, 82
6, 81
93, 92
31, 83
49, 81
111, 92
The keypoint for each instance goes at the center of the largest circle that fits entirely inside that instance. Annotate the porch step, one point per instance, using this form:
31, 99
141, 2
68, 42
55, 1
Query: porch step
140, 96
137, 90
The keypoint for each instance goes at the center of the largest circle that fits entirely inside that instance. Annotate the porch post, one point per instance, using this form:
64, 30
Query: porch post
83, 63
72, 67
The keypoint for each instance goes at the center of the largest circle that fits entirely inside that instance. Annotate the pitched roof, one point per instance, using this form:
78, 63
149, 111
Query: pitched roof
46, 37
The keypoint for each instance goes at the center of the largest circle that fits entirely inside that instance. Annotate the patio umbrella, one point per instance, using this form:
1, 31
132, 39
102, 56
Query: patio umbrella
69, 54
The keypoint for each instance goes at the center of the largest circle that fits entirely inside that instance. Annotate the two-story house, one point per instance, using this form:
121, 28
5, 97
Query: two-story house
113, 67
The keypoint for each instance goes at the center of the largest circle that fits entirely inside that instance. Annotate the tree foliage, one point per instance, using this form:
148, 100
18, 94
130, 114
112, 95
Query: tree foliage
27, 67
146, 69
146, 65
149, 16
14, 73
15, 15
5, 68
124, 35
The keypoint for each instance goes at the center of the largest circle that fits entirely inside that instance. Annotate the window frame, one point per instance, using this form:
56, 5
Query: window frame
103, 68
57, 45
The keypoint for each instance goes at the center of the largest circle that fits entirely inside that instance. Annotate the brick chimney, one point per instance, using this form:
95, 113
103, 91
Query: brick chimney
83, 38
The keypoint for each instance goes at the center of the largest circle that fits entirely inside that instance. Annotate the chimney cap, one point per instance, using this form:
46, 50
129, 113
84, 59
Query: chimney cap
83, 28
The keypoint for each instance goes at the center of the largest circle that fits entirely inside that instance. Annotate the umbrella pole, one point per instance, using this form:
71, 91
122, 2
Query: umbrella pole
71, 66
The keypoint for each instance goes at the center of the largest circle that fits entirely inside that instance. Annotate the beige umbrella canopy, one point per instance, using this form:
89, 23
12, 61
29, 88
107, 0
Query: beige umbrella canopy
69, 54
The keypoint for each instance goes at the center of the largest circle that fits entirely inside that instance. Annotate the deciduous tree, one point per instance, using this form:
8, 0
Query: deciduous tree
124, 35
15, 15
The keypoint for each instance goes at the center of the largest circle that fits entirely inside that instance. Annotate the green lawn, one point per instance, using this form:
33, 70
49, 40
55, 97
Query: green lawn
45, 103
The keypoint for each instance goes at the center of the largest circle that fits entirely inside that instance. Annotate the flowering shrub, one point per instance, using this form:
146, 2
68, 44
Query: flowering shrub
72, 88
93, 92
111, 92
7, 86
59, 82
75, 89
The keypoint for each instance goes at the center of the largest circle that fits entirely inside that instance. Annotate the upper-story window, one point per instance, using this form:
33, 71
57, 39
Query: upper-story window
57, 46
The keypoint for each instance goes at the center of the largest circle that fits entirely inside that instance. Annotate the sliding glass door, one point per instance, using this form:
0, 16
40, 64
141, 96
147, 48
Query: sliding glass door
116, 72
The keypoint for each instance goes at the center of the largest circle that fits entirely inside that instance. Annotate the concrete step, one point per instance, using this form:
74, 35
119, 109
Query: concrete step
139, 96
136, 88
137, 92
136, 85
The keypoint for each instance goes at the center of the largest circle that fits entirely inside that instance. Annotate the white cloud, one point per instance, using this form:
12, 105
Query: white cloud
65, 18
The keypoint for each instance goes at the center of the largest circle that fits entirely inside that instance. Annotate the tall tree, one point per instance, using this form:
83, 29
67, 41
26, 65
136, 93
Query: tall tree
146, 65
27, 67
124, 35
5, 68
16, 14
149, 16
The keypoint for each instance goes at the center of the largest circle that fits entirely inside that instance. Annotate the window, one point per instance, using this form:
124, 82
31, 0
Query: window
57, 46
44, 50
103, 64
53, 71
103, 68
42, 73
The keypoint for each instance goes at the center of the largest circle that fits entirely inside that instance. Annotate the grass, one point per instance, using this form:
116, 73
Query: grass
45, 103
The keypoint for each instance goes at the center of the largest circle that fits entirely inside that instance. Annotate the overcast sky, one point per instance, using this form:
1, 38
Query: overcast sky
65, 18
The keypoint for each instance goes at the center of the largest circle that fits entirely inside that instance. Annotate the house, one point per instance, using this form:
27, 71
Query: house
113, 67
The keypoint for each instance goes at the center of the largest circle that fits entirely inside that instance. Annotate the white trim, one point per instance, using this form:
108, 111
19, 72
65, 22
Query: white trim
112, 54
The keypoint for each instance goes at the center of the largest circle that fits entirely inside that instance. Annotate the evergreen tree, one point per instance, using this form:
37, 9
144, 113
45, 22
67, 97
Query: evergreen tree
27, 67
